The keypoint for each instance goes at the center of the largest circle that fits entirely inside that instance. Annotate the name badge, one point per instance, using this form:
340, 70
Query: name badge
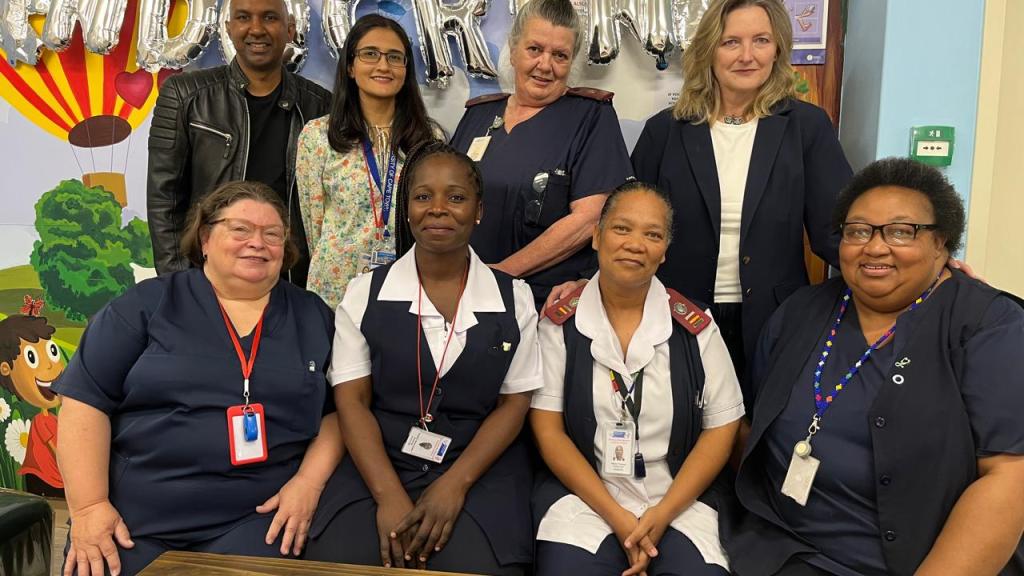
247, 438
375, 259
426, 444
800, 476
478, 147
619, 447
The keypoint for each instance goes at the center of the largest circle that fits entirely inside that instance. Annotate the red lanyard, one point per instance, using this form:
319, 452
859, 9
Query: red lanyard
425, 416
246, 364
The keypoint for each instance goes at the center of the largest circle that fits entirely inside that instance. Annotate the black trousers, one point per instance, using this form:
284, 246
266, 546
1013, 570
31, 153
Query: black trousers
677, 556
246, 539
351, 538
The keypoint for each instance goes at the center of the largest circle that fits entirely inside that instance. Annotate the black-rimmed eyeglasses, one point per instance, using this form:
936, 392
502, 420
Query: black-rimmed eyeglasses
372, 56
893, 233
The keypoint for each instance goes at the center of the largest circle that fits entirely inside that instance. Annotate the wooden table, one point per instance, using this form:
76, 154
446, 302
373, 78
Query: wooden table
199, 564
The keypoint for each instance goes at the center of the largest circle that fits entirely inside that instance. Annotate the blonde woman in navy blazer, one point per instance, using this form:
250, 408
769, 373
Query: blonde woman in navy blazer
748, 167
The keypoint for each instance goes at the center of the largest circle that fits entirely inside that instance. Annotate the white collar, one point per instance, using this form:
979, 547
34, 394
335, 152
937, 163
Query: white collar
480, 295
655, 327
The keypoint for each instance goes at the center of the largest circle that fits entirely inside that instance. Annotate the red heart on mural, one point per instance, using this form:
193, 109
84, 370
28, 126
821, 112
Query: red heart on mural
134, 87
164, 74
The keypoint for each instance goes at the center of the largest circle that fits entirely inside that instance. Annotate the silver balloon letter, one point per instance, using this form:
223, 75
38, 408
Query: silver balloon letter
294, 52
435, 21
101, 24
17, 38
156, 50
650, 21
336, 20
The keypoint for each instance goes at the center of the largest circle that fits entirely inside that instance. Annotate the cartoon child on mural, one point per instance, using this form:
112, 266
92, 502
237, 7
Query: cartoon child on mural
29, 363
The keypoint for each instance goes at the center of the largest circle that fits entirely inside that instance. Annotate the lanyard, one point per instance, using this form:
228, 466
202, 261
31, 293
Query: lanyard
246, 364
425, 416
387, 189
632, 398
823, 401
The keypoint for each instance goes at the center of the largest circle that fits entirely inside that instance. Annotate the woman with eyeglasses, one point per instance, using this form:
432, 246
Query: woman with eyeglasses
193, 410
348, 162
887, 434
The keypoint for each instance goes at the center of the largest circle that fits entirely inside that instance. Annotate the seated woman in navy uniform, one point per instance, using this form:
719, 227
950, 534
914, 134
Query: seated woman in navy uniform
887, 436
163, 443
437, 358
638, 413
549, 154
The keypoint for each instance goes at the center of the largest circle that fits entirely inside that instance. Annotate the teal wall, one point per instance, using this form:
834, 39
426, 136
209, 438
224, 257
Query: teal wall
909, 63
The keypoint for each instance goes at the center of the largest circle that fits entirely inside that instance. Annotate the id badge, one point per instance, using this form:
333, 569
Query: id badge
247, 438
426, 445
375, 259
619, 447
800, 477
478, 147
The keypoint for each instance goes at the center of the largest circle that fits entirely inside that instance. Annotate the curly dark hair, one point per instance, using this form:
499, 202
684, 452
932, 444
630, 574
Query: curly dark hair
638, 186
947, 206
13, 330
403, 233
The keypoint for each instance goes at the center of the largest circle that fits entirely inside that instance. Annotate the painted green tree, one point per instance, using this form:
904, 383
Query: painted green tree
83, 256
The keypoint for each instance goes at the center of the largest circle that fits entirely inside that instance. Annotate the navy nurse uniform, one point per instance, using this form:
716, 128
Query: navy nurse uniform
570, 150
897, 447
160, 363
493, 351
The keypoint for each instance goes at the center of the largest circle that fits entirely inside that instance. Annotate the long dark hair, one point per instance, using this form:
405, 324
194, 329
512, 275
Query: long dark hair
403, 233
346, 126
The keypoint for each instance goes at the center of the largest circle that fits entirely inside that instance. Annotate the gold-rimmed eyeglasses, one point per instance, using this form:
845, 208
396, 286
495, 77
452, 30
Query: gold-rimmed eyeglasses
241, 230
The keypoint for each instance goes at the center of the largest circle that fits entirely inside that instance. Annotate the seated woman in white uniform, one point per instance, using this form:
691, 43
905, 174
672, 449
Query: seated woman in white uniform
638, 413
435, 359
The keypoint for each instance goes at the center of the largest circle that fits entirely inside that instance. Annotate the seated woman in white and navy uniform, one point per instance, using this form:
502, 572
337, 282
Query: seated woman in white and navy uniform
632, 368
436, 358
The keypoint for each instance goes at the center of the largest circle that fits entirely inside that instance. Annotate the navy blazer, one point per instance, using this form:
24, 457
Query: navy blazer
797, 169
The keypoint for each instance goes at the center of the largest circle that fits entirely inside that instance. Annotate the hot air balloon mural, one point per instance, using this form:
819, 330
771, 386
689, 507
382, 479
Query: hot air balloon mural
66, 88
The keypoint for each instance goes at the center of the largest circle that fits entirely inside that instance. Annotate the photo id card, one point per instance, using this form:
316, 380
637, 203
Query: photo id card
619, 447
426, 445
478, 147
375, 259
247, 438
800, 477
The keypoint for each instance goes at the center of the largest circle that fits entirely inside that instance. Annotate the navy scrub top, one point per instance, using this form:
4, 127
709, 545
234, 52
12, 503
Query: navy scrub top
841, 515
160, 363
577, 142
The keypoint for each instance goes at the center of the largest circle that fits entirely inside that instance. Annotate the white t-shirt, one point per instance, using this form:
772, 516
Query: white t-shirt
733, 145
570, 520
350, 358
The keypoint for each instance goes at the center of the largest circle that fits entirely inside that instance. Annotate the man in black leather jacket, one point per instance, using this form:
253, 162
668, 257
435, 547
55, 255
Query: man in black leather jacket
235, 122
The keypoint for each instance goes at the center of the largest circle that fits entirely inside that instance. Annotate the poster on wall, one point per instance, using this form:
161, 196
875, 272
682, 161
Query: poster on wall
810, 30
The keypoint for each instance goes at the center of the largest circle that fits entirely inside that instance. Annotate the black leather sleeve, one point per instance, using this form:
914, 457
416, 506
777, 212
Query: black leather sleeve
169, 188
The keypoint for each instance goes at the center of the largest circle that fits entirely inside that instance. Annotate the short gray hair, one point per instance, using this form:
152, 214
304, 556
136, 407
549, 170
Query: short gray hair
557, 12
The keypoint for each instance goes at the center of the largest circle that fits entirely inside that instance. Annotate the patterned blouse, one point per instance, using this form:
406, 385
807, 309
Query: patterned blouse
334, 196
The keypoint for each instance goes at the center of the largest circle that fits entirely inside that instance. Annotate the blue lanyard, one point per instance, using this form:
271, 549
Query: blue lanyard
388, 187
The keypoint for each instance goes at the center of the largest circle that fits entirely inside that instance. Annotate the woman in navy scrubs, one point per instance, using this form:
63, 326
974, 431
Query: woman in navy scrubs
549, 154
191, 406
749, 168
441, 360
902, 385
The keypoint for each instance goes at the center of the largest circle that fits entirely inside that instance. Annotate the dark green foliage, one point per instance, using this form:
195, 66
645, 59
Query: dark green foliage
83, 254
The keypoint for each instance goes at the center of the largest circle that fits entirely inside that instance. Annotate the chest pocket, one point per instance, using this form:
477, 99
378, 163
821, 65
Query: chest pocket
546, 199
211, 139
